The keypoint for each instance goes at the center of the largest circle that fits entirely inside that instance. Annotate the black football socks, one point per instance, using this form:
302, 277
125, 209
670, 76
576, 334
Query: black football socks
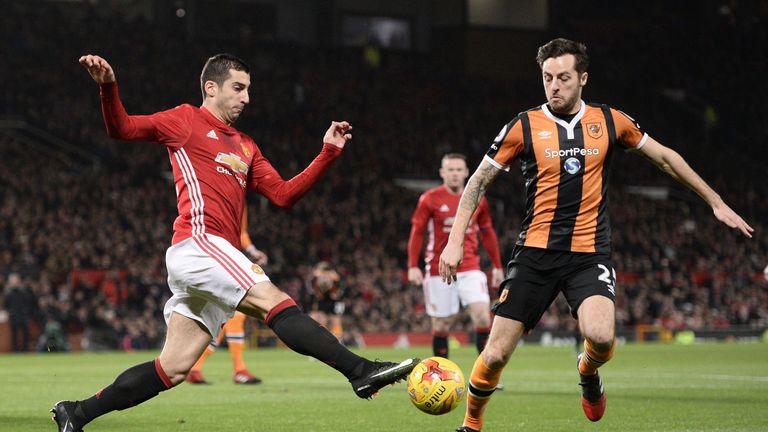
305, 336
132, 387
440, 344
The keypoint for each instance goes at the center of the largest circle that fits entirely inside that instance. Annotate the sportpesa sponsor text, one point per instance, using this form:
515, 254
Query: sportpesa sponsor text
549, 153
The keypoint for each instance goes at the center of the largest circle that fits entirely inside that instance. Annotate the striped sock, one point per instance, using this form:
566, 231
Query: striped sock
236, 348
592, 359
482, 384
234, 330
337, 330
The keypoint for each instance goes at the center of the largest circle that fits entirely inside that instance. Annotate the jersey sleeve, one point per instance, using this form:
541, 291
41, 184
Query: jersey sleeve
488, 234
264, 178
167, 127
418, 227
628, 132
506, 146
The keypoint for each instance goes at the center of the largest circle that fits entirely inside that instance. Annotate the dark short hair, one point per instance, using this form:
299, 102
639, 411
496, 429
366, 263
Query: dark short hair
217, 68
559, 47
454, 156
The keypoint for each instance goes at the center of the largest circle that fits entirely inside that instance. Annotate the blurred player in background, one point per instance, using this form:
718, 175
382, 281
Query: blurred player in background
234, 329
213, 165
434, 216
564, 147
326, 305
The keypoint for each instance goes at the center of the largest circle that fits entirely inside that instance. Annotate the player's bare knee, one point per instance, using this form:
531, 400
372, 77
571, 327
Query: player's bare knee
482, 321
601, 342
495, 357
177, 379
176, 375
441, 324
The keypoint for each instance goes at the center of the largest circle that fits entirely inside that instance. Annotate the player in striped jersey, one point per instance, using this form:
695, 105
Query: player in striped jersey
213, 165
564, 147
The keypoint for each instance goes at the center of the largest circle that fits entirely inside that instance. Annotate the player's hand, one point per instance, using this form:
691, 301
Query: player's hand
415, 277
497, 277
259, 257
724, 214
100, 70
449, 261
338, 134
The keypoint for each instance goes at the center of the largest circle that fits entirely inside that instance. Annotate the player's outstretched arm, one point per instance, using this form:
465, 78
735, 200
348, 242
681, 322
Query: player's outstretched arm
98, 68
673, 164
119, 124
470, 199
268, 182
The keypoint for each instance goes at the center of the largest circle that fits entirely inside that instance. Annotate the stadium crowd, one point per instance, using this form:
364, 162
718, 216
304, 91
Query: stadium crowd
62, 219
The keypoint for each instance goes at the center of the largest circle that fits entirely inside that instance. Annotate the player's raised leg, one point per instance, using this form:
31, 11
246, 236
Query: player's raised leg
305, 336
597, 324
185, 341
505, 334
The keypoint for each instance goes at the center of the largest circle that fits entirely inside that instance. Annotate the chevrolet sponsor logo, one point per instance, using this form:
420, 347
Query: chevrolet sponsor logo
233, 161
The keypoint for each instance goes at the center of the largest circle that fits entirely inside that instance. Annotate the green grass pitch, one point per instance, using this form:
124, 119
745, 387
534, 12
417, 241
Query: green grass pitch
651, 387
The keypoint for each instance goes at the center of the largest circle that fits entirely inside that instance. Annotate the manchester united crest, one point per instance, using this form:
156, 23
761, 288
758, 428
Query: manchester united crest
257, 269
595, 130
246, 150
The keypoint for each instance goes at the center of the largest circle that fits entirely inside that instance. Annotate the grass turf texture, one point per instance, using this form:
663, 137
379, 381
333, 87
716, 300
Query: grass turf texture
710, 387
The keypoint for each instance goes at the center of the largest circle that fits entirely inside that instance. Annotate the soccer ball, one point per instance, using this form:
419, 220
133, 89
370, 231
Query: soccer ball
436, 385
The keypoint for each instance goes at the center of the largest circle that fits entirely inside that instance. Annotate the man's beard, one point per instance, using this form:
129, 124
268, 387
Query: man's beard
565, 106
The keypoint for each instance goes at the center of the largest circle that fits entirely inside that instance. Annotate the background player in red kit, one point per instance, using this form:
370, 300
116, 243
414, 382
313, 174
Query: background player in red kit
434, 215
564, 147
209, 276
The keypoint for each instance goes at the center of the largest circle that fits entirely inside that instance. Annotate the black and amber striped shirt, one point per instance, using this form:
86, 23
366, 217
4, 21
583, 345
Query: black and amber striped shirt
566, 168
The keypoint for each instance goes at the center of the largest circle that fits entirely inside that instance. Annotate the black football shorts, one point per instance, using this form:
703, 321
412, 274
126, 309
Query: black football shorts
535, 277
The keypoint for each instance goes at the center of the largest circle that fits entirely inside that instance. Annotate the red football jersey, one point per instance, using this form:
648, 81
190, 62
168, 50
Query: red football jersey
213, 164
434, 215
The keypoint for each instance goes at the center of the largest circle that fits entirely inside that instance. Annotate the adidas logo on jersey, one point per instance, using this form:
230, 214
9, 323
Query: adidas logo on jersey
444, 208
212, 134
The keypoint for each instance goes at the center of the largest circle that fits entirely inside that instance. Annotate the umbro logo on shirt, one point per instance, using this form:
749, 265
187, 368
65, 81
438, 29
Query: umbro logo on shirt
212, 134
444, 208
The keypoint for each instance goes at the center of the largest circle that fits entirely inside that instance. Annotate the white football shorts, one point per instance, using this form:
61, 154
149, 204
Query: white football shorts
208, 278
443, 300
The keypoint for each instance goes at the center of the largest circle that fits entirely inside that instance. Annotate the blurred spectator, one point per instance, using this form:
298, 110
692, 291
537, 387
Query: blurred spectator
21, 305
52, 338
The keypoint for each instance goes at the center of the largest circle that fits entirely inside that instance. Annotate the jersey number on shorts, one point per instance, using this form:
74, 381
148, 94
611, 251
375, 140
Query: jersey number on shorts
609, 277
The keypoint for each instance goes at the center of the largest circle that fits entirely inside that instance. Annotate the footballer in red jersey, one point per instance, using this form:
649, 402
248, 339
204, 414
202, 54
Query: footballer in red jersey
434, 216
213, 165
